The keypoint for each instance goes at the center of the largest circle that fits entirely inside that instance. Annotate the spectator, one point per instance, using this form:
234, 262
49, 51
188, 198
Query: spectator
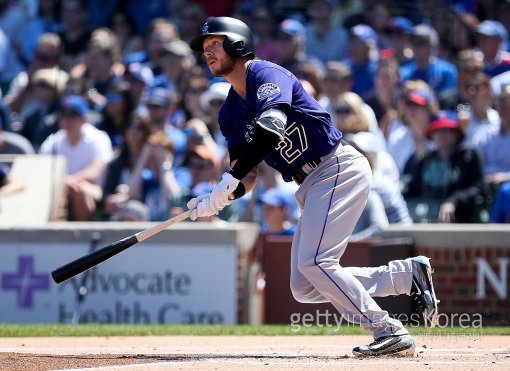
87, 150
75, 34
161, 32
195, 86
291, 46
190, 21
500, 212
338, 80
102, 66
48, 86
482, 114
13, 21
176, 61
438, 73
140, 79
162, 106
211, 102
324, 40
462, 33
123, 27
155, 163
385, 181
20, 97
491, 40
204, 166
450, 176
407, 139
493, 142
349, 116
117, 111
47, 20
14, 144
9, 63
119, 172
469, 63
373, 219
276, 206
363, 54
9, 184
396, 38
383, 99
263, 25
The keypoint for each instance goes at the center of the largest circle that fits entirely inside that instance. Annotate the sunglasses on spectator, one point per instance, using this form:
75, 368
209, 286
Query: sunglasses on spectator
343, 110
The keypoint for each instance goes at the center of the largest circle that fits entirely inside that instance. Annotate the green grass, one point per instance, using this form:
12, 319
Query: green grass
38, 330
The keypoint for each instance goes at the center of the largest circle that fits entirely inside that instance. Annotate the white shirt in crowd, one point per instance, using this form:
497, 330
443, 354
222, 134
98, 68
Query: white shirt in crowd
93, 144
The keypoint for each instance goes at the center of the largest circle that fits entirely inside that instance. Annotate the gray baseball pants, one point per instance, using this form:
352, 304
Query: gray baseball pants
332, 198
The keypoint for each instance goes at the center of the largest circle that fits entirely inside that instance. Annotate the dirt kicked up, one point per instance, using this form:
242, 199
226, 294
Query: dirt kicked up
437, 352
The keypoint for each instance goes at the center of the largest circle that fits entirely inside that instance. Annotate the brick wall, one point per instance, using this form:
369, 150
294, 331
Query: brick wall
457, 272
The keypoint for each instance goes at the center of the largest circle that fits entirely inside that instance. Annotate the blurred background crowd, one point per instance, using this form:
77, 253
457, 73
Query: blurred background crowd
422, 88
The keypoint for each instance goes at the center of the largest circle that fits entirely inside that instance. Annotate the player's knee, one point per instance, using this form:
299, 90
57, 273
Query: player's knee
302, 294
316, 269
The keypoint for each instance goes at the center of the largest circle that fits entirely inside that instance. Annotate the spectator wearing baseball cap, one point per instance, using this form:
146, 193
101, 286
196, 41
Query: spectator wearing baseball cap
406, 139
363, 53
396, 37
427, 66
450, 176
176, 60
87, 151
141, 80
275, 213
291, 52
491, 40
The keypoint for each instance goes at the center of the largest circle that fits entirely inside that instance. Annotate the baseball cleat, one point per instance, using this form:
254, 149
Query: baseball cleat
422, 290
387, 346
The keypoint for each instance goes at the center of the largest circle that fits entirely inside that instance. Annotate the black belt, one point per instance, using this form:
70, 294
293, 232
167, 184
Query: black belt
302, 173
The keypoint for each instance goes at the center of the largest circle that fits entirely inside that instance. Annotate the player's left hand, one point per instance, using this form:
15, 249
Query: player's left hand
221, 191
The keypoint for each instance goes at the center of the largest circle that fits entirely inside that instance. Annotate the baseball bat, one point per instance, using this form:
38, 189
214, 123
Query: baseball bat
90, 260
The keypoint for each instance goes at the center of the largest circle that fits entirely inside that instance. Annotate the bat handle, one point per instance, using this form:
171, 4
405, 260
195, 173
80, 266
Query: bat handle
143, 235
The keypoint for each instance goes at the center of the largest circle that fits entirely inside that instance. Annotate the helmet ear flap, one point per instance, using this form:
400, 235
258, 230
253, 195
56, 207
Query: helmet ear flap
234, 48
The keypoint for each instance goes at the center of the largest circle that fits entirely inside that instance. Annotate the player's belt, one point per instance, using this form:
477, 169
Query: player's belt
306, 169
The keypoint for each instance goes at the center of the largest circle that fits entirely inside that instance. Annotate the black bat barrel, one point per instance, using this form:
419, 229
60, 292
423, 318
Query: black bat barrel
88, 261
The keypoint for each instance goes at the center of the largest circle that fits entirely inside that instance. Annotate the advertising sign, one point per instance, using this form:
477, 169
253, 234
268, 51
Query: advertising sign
147, 284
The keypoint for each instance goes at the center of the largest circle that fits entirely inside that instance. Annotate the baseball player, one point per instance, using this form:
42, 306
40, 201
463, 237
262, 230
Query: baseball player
268, 116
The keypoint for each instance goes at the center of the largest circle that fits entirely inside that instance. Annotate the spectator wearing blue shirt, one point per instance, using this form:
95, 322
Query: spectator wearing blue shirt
362, 59
438, 73
500, 212
275, 215
491, 39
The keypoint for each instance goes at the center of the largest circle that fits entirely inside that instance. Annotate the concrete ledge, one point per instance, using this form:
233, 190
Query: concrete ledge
453, 235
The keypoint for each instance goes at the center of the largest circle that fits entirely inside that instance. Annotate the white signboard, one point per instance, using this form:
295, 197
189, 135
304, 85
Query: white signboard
146, 284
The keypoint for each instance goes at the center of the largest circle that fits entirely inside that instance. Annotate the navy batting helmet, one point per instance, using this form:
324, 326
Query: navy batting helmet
238, 41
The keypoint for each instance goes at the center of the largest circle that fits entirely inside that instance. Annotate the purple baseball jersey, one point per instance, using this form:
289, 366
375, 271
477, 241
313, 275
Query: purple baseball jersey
309, 132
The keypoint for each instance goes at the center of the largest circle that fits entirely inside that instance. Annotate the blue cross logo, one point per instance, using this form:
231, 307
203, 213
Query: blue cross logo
25, 281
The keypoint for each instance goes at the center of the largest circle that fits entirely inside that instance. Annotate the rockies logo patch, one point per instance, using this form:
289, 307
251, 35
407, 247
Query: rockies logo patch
267, 90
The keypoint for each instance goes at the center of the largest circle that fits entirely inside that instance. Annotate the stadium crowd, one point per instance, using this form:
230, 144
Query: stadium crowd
422, 88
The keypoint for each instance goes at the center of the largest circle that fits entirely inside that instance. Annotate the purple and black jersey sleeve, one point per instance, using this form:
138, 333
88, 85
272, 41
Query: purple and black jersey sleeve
309, 132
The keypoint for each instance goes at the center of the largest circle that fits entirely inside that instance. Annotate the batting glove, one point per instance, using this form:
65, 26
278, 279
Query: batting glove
221, 191
204, 208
